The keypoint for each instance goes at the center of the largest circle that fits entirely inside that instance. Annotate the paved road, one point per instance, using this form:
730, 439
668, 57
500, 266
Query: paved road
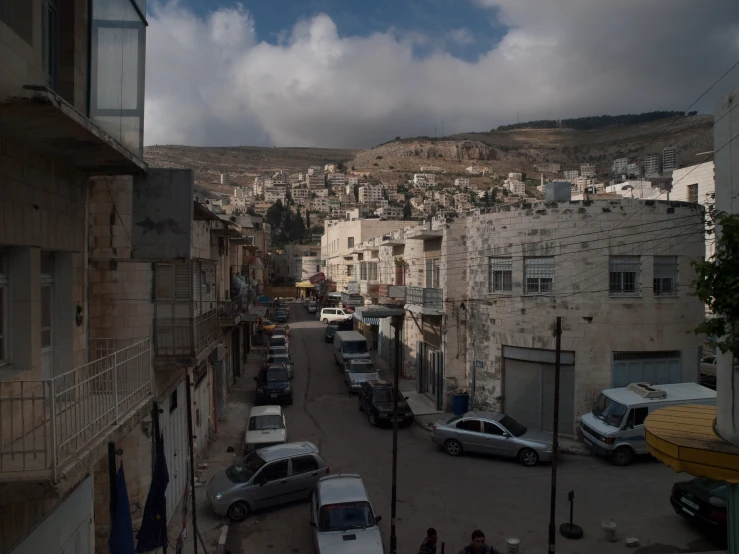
456, 495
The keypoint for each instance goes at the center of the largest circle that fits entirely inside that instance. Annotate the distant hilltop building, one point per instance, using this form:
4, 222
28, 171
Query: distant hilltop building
515, 176
572, 174
431, 169
225, 178
329, 168
587, 170
633, 171
619, 166
652, 165
548, 168
670, 158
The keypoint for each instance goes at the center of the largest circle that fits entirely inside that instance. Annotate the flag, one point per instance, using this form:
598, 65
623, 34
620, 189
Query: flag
153, 532
120, 540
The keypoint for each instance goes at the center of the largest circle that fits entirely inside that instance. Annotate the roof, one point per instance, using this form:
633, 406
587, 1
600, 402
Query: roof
286, 450
493, 416
379, 383
342, 487
350, 335
675, 392
265, 410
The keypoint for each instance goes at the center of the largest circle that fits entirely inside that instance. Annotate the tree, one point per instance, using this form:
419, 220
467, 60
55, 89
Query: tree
407, 210
307, 218
274, 215
486, 198
717, 283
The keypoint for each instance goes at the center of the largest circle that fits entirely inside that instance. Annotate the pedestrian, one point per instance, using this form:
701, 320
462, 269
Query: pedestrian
428, 546
478, 546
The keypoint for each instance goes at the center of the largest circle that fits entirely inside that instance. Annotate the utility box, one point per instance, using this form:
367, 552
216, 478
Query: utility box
558, 191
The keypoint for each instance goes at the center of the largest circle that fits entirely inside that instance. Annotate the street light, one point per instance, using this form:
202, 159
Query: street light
398, 314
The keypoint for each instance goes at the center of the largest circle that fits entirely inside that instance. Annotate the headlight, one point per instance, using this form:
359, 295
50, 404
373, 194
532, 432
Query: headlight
287, 388
218, 496
548, 447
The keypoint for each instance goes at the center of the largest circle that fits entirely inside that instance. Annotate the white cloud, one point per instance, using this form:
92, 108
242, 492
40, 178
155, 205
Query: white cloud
209, 81
461, 36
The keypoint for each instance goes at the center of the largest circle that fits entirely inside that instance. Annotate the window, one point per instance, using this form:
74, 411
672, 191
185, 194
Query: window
349, 270
318, 269
491, 428
469, 425
501, 274
350, 242
273, 472
433, 270
638, 415
3, 306
624, 275
51, 42
539, 275
665, 276
693, 193
47, 299
437, 273
304, 464
173, 401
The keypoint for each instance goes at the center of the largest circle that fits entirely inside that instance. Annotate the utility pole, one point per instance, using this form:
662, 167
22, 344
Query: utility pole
393, 493
555, 434
190, 440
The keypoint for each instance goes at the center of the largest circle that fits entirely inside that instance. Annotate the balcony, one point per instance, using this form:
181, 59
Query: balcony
46, 427
424, 232
230, 312
424, 300
184, 329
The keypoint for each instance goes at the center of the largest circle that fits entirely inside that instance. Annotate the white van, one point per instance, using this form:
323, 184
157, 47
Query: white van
334, 314
615, 426
349, 345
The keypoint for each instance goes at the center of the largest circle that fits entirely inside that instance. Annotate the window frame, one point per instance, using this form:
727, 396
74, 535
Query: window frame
304, 457
259, 477
500, 265
621, 266
539, 275
478, 421
501, 432
671, 273
692, 187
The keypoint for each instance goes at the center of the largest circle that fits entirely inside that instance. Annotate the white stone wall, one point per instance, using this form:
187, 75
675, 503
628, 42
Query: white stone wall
703, 175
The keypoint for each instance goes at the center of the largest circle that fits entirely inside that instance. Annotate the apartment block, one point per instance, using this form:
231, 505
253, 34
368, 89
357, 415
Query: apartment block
371, 193
548, 168
462, 182
619, 166
424, 180
320, 204
336, 179
587, 170
652, 165
696, 184
389, 212
515, 176
571, 174
516, 188
670, 158
272, 195
315, 180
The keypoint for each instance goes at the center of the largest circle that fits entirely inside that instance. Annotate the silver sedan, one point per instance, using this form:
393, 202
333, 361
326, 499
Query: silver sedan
493, 433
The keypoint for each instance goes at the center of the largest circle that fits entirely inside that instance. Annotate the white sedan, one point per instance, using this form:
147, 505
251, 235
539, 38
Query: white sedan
266, 427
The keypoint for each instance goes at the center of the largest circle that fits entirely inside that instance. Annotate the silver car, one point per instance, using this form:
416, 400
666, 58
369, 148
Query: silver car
357, 372
266, 477
343, 518
493, 433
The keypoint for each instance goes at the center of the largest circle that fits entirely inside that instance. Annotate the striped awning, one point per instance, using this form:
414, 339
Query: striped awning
366, 320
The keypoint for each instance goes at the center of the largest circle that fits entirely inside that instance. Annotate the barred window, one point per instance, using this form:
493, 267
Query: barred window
539, 275
665, 276
624, 275
693, 193
501, 274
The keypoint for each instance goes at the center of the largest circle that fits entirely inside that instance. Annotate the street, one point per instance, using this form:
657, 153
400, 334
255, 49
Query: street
457, 495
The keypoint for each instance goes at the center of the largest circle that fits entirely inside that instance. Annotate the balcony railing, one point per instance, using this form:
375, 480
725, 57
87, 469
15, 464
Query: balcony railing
44, 424
425, 297
229, 311
184, 328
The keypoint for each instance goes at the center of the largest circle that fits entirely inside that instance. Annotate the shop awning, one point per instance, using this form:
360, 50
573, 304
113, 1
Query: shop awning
366, 320
683, 438
304, 285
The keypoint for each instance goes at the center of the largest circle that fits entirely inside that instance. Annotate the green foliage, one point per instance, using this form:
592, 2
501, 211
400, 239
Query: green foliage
376, 164
407, 210
391, 167
592, 122
717, 283
378, 157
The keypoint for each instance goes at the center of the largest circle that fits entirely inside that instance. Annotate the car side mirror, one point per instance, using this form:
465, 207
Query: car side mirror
230, 450
507, 435
378, 519
312, 523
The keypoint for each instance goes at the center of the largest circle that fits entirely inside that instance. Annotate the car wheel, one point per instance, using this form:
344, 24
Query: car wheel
325, 321
622, 456
238, 511
372, 419
528, 457
453, 447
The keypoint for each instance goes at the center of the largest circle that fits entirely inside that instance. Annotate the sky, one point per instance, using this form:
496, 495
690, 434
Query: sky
356, 73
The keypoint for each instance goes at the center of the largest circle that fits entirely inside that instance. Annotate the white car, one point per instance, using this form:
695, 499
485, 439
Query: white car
342, 517
266, 427
311, 307
334, 314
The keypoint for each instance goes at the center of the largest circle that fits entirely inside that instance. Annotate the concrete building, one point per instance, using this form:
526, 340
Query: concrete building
474, 170
652, 165
301, 196
329, 168
352, 181
633, 171
320, 204
670, 158
587, 170
424, 180
371, 193
696, 184
336, 179
225, 179
320, 192
461, 199
389, 212
272, 195
258, 186
315, 180
315, 170
619, 166
571, 174
515, 187
462, 182
431, 169
515, 176
296, 262
548, 168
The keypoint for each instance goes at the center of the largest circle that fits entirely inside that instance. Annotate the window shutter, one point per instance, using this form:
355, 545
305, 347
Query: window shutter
182, 282
196, 281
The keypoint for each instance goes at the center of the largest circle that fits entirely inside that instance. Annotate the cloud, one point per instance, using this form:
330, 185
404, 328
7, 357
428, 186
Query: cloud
461, 36
210, 81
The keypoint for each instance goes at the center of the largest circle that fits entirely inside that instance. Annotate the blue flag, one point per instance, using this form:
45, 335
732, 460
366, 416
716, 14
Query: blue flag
121, 528
153, 532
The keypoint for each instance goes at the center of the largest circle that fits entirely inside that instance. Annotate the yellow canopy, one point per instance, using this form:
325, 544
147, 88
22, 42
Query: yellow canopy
304, 285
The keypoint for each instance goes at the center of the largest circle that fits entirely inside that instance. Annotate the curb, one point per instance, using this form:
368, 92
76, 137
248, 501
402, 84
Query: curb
221, 548
569, 450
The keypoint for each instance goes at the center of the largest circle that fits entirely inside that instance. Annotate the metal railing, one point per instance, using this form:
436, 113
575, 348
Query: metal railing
229, 310
184, 328
43, 424
426, 297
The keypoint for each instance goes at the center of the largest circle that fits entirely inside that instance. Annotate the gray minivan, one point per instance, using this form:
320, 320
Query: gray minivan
349, 345
266, 477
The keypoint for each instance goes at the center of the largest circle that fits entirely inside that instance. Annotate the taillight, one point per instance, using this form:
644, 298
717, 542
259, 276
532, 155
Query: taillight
717, 515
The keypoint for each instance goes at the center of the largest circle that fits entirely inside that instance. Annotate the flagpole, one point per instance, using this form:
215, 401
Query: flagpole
188, 394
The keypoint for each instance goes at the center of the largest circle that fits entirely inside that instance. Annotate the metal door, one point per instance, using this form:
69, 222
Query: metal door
174, 429
566, 398
655, 368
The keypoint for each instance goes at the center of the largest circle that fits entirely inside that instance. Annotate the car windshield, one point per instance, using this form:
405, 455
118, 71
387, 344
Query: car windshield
245, 469
609, 411
279, 359
273, 375
345, 516
714, 488
265, 422
277, 341
361, 368
355, 347
513, 426
383, 395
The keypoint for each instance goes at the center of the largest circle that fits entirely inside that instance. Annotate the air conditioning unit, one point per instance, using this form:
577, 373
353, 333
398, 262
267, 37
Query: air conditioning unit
645, 390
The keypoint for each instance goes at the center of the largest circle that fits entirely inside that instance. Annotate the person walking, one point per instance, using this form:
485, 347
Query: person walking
478, 546
428, 546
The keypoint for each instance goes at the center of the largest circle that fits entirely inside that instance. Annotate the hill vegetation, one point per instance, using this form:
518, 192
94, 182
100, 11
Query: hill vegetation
594, 122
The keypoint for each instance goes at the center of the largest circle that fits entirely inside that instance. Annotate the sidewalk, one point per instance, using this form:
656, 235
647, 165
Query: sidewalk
214, 529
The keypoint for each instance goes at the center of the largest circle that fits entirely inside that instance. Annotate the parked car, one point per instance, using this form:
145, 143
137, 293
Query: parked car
282, 315
330, 332
266, 477
342, 517
376, 400
276, 350
279, 340
357, 372
702, 502
265, 427
281, 331
311, 306
492, 433
273, 385
267, 325
334, 314
350, 345
280, 359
